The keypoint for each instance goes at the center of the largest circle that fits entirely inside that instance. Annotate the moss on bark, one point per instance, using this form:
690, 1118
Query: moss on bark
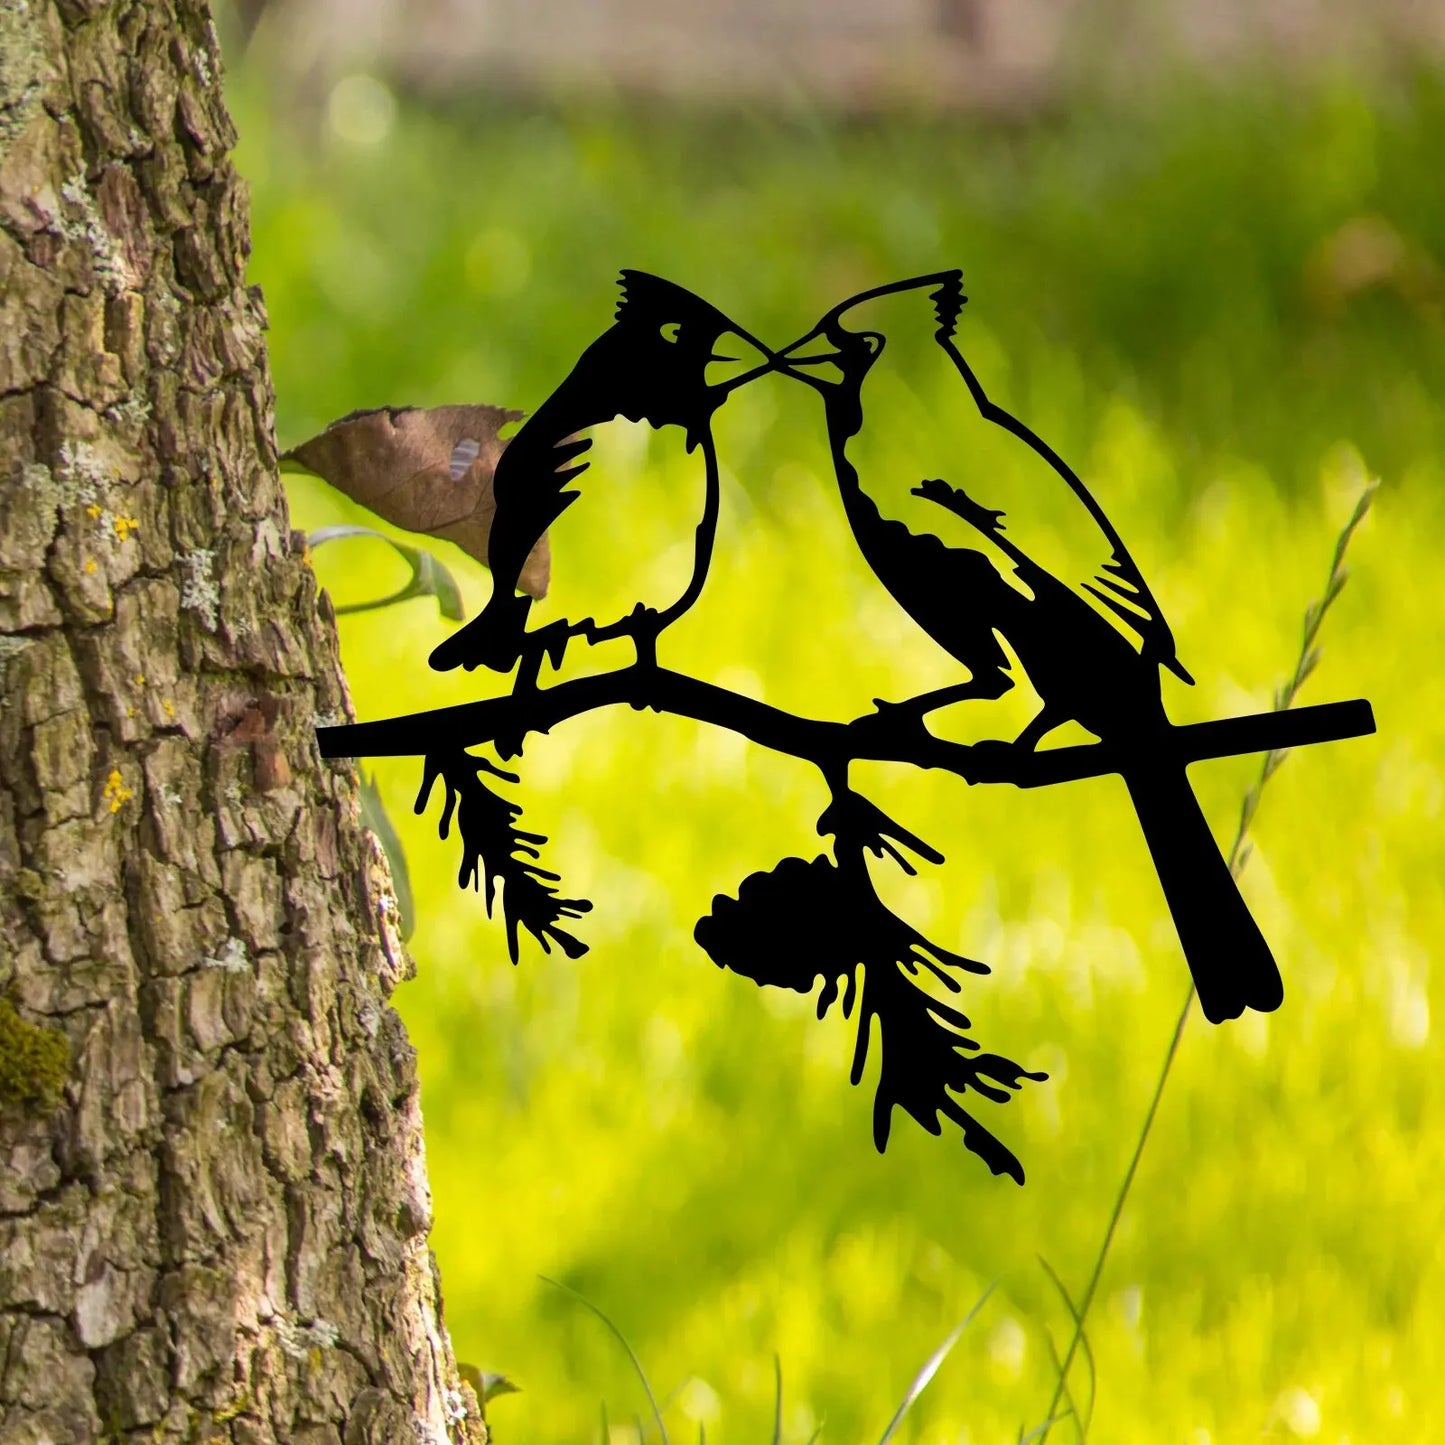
34, 1062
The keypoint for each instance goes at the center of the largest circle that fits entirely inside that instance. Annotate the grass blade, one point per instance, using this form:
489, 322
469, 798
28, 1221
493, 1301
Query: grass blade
631, 1353
1238, 856
778, 1402
931, 1365
1083, 1340
429, 577
1073, 1409
1039, 1431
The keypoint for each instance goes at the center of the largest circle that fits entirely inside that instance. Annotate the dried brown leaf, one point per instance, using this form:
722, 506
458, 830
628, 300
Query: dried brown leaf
428, 469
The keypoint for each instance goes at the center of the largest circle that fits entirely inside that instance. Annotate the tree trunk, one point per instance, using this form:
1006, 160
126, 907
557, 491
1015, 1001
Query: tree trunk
213, 1201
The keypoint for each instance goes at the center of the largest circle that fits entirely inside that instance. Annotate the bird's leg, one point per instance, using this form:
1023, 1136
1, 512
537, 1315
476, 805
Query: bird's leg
548, 642
1044, 723
900, 722
642, 625
528, 669
990, 759
984, 685
646, 627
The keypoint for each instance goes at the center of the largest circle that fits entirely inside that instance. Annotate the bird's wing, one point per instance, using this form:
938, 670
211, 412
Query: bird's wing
530, 487
1003, 465
632, 539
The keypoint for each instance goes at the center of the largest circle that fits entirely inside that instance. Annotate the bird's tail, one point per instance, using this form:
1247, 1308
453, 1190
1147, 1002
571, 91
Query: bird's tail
493, 638
1232, 965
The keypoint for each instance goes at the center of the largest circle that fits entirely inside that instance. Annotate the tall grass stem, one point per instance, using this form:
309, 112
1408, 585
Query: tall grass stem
1305, 663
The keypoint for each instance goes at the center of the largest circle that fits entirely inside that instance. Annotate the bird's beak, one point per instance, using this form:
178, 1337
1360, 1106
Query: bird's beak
736, 359
814, 352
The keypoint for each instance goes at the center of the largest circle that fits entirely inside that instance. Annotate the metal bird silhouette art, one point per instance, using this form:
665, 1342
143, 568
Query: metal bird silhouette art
1041, 571
658, 363
1089, 634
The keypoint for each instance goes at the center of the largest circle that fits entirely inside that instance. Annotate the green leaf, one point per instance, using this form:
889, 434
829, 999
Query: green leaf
494, 1384
442, 585
374, 816
429, 578
487, 1383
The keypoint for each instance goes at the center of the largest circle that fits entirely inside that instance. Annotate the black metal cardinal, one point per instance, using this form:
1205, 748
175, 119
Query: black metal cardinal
1091, 641
658, 363
1043, 570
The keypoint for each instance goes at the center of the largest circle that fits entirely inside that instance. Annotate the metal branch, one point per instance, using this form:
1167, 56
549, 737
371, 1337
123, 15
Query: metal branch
890, 736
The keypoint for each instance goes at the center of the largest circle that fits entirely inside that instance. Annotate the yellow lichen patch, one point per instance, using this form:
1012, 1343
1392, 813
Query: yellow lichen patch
124, 526
140, 679
168, 707
116, 794
34, 1061
95, 511
89, 565
238, 1407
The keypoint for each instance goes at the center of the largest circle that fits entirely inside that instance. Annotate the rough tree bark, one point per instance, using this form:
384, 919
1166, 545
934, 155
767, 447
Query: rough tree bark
213, 1202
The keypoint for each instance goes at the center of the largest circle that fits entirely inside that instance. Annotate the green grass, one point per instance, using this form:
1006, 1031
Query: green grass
1151, 289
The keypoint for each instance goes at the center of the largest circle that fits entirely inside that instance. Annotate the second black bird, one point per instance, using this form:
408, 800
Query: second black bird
1048, 574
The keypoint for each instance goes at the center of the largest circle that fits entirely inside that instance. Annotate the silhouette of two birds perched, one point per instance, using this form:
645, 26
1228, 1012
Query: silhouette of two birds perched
1078, 616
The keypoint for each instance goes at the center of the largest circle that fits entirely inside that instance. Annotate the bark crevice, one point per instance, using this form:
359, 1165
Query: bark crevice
212, 1217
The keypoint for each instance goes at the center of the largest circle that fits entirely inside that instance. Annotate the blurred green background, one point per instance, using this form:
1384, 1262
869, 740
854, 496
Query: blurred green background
1223, 300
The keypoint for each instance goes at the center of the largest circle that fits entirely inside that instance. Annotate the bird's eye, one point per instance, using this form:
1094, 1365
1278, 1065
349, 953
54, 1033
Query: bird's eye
670, 330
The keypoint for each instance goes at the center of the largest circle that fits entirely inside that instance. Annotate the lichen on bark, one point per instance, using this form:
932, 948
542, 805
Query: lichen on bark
214, 1213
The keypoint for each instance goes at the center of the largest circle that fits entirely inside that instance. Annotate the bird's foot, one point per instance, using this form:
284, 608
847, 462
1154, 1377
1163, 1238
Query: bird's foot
645, 625
956, 500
